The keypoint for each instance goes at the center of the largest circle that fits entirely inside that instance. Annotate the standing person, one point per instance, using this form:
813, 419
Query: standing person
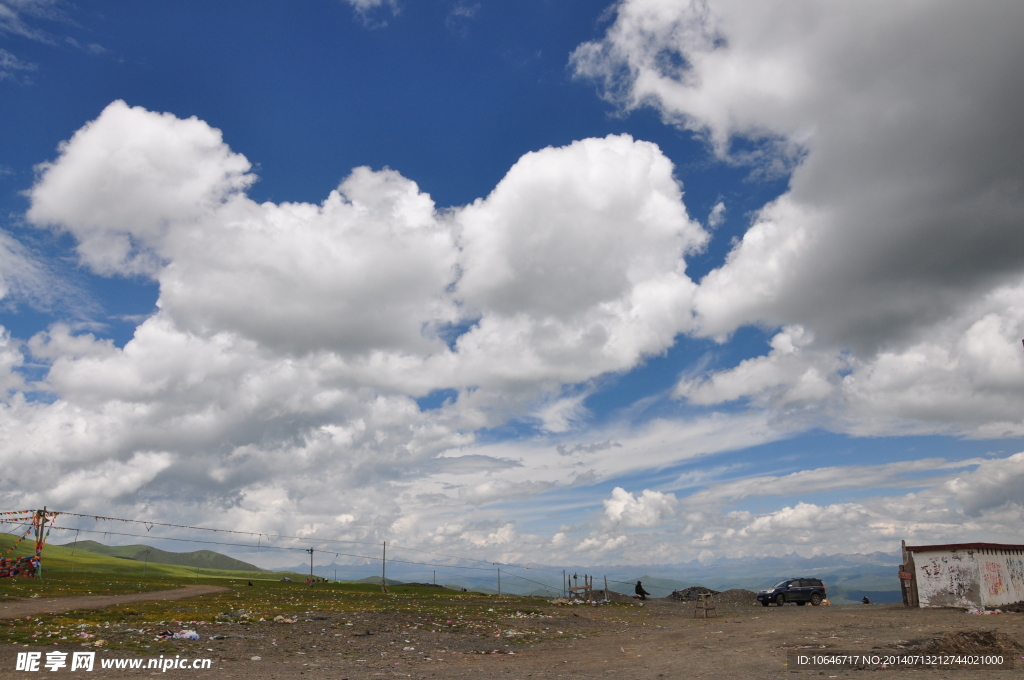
640, 592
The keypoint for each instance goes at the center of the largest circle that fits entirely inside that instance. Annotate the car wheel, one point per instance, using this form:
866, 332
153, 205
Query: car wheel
780, 600
815, 599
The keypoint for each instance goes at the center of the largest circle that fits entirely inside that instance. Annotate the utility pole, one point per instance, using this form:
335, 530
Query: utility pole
310, 551
383, 569
563, 583
499, 581
75, 545
40, 526
145, 565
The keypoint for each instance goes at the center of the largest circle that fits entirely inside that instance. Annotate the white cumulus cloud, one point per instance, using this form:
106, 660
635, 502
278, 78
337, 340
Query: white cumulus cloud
649, 509
900, 222
277, 377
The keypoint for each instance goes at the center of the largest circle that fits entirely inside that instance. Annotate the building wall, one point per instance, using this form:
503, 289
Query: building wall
969, 578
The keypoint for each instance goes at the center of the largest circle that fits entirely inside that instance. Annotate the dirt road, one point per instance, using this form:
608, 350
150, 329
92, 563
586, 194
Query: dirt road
13, 609
659, 640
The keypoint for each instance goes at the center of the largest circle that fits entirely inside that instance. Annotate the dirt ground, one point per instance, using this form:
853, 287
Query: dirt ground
17, 608
660, 639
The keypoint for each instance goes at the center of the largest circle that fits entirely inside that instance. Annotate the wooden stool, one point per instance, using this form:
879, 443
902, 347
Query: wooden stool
706, 603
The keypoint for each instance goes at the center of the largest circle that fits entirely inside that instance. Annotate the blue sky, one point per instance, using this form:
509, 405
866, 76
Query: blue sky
529, 281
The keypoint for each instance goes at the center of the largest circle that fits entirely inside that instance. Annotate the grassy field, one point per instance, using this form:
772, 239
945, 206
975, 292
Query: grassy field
151, 555
71, 571
134, 627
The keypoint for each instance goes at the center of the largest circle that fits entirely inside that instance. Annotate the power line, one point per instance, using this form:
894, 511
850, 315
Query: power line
149, 524
260, 545
264, 546
446, 566
182, 540
531, 581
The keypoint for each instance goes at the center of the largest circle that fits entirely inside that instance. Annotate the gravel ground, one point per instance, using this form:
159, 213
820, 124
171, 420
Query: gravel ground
660, 639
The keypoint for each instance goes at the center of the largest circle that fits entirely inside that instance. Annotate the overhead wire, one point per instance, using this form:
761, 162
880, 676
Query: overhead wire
545, 585
260, 536
268, 547
148, 524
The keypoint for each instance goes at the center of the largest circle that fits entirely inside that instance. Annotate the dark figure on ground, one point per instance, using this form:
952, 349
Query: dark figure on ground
640, 592
866, 600
250, 583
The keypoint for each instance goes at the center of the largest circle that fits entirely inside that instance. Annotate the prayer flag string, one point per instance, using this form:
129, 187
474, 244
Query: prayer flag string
29, 566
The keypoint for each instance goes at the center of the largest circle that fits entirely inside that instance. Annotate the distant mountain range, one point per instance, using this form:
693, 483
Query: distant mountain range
204, 559
848, 578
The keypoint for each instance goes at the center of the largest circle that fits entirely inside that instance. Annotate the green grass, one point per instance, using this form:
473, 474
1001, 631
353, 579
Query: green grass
150, 555
72, 571
133, 627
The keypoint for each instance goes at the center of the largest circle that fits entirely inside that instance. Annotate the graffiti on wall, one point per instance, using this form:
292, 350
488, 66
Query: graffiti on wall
964, 578
947, 579
1015, 570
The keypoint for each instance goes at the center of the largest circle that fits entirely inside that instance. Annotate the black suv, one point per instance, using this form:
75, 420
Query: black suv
799, 590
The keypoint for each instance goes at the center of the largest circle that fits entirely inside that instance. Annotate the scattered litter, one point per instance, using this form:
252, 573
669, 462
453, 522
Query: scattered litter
186, 635
256, 658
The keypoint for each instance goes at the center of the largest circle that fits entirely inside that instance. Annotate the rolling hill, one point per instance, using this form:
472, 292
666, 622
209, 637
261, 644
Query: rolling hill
204, 559
58, 559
